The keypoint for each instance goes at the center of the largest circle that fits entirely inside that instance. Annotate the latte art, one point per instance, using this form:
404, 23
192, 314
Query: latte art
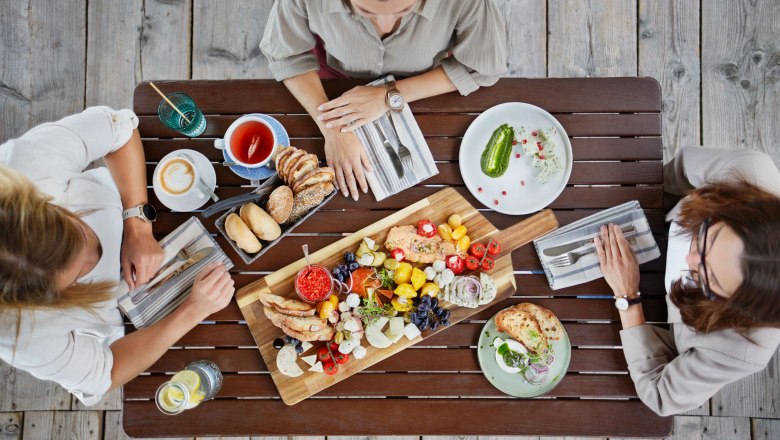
177, 176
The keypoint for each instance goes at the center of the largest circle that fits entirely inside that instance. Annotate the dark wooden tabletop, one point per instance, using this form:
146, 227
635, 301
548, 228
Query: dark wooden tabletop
436, 387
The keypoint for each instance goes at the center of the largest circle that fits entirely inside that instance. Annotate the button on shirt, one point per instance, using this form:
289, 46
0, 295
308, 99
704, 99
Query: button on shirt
466, 37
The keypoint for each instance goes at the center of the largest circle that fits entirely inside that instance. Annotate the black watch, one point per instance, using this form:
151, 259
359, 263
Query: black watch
622, 303
145, 212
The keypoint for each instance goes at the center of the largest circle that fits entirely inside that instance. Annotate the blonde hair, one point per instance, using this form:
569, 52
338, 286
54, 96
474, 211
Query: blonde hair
38, 239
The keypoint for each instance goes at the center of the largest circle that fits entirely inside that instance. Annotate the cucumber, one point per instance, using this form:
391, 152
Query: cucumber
498, 151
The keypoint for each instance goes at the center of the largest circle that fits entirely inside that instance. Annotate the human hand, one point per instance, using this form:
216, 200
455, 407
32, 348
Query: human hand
618, 262
355, 108
211, 290
141, 256
347, 156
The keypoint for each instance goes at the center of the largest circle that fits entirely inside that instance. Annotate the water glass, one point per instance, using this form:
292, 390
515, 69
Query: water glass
172, 119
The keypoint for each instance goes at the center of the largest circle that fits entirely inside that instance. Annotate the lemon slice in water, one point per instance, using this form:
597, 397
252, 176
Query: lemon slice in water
189, 379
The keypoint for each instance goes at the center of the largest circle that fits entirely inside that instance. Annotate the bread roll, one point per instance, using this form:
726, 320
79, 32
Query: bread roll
260, 222
308, 198
239, 232
280, 204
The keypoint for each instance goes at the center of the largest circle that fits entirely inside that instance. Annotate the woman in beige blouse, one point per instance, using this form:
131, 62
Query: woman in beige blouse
436, 46
722, 279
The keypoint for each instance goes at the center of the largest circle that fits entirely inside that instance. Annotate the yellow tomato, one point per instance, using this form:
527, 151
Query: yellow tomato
445, 231
430, 289
455, 221
464, 243
326, 309
405, 290
334, 299
418, 278
401, 304
458, 232
403, 274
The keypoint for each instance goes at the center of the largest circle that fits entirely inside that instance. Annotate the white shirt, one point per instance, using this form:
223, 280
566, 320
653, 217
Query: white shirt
72, 346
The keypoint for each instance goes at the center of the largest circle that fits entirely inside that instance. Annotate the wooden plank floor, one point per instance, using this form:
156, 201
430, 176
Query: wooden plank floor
718, 62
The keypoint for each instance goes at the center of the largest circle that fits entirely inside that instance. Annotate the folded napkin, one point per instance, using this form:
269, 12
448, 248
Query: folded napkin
587, 267
144, 306
384, 180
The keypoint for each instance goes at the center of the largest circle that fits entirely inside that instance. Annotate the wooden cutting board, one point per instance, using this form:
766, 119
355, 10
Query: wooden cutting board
437, 208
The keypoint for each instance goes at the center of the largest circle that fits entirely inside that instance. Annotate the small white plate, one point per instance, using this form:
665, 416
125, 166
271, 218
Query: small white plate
191, 201
517, 191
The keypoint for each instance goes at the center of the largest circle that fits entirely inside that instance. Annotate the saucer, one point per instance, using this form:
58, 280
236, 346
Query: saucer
264, 172
189, 202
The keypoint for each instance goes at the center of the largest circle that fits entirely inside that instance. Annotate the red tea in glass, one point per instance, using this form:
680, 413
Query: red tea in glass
251, 142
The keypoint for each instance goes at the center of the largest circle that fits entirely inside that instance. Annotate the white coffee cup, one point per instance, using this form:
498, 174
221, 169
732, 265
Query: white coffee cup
178, 177
225, 144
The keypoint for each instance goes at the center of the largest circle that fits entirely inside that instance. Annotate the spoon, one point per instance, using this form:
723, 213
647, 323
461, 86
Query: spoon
306, 254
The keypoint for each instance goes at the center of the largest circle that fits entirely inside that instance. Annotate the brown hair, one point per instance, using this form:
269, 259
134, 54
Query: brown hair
754, 215
38, 239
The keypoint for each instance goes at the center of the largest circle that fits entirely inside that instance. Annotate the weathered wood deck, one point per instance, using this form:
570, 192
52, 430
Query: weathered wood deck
718, 62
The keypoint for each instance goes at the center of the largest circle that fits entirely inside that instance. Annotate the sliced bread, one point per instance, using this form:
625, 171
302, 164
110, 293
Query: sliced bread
522, 327
547, 320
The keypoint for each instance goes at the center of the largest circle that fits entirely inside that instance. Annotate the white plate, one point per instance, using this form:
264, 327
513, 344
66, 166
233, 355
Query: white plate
524, 194
191, 201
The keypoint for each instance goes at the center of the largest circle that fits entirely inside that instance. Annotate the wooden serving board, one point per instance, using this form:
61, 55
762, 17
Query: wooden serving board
437, 208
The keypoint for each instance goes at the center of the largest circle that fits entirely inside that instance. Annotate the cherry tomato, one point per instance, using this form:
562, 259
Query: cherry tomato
455, 264
334, 347
478, 250
330, 368
426, 229
341, 358
493, 247
488, 263
472, 262
323, 355
398, 254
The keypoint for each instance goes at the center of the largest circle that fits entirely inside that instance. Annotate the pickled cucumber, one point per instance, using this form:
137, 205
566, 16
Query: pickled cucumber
498, 151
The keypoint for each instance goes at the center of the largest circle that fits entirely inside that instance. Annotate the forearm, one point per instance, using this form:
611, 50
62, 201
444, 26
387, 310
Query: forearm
128, 169
432, 83
308, 91
137, 351
632, 317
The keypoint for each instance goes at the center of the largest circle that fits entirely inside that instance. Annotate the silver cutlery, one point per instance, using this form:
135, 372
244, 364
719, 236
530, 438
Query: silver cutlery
394, 157
202, 182
570, 258
403, 152
563, 248
228, 163
194, 258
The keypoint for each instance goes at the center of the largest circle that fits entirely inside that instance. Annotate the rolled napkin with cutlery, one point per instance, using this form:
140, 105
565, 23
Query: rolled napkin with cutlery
187, 249
568, 254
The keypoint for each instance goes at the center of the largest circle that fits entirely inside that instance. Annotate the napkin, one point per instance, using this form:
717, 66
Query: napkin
144, 306
383, 181
587, 267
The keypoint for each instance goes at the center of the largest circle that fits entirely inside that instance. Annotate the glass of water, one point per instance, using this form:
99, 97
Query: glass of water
173, 119
199, 381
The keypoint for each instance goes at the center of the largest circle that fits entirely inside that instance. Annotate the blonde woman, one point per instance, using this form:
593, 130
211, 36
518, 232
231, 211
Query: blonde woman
62, 237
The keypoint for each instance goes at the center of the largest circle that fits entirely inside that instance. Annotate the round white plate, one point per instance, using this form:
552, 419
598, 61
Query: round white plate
191, 201
517, 191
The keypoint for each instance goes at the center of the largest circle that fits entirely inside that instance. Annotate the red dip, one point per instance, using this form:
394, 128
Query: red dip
313, 283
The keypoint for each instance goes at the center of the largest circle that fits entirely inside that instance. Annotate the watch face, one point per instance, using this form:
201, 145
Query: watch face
396, 101
149, 212
621, 304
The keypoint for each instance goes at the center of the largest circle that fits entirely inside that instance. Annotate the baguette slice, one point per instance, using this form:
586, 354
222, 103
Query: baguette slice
281, 154
523, 328
547, 320
324, 334
298, 323
287, 164
313, 177
303, 165
286, 306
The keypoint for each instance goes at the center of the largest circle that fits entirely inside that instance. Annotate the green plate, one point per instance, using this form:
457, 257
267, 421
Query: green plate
515, 384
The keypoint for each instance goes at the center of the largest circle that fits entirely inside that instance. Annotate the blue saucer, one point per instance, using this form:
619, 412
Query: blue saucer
260, 173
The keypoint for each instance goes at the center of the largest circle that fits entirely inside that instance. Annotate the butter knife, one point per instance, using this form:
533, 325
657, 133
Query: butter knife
196, 257
563, 248
399, 168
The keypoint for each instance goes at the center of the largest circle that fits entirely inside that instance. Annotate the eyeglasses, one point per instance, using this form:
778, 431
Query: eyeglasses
701, 247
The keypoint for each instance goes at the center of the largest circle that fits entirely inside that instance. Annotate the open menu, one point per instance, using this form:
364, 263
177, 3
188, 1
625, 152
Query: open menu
187, 249
397, 151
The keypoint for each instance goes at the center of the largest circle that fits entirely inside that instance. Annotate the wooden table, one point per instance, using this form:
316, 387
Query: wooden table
435, 387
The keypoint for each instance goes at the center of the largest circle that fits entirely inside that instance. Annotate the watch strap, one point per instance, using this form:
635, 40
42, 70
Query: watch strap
136, 211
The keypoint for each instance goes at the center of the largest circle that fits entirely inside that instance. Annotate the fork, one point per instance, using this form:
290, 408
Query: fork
403, 152
570, 258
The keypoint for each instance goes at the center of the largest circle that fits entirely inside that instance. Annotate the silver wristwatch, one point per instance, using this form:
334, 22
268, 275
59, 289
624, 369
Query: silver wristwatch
622, 303
145, 212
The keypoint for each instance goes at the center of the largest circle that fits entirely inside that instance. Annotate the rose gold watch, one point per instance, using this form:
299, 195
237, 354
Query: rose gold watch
393, 97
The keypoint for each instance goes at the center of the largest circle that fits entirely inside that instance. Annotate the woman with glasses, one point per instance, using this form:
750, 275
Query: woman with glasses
722, 280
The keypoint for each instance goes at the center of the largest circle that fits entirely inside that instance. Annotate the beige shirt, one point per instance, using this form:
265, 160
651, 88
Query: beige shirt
679, 369
471, 30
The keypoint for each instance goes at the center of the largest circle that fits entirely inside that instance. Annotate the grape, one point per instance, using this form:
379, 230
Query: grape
342, 277
437, 310
423, 307
415, 319
445, 322
434, 302
445, 315
353, 266
336, 271
425, 322
349, 257
343, 268
290, 340
426, 300
434, 324
299, 348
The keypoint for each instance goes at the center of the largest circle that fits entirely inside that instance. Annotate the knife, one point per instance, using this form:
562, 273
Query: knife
196, 257
239, 200
563, 248
399, 168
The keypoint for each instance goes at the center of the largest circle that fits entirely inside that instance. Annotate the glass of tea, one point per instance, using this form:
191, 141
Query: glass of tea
186, 117
250, 141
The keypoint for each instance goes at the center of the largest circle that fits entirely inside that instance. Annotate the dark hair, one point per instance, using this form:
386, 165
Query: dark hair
754, 215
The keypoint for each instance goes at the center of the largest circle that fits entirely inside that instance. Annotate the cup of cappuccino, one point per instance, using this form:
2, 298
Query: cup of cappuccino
178, 177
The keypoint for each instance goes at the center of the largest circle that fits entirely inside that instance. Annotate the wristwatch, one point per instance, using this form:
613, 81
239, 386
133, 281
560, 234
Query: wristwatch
145, 212
622, 303
393, 97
